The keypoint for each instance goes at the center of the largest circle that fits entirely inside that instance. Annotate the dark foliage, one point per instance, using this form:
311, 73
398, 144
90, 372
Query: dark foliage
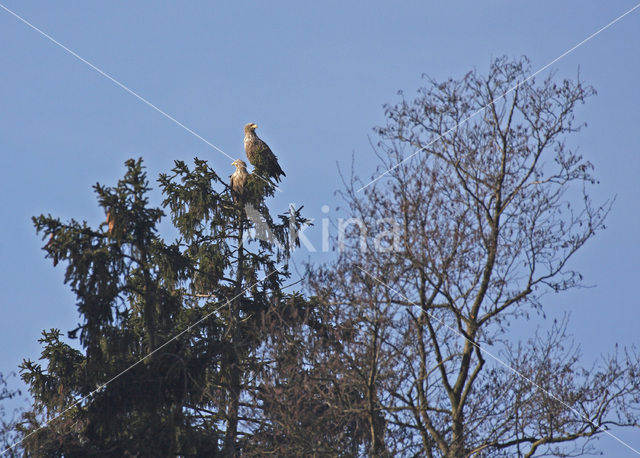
135, 292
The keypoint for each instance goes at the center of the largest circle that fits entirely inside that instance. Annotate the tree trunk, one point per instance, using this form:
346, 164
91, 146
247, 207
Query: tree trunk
235, 388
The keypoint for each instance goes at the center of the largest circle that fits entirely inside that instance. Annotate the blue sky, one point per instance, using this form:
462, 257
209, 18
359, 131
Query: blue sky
314, 77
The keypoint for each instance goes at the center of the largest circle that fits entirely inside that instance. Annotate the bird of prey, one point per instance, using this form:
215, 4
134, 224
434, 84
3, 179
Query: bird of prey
260, 155
110, 222
238, 179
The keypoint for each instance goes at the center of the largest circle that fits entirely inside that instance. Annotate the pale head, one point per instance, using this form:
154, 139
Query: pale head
250, 127
239, 163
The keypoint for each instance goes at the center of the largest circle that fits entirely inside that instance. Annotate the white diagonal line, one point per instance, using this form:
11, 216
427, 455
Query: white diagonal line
515, 371
130, 91
138, 362
109, 77
602, 29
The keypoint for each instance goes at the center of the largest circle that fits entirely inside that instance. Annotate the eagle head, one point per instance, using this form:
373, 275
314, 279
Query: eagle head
239, 163
250, 127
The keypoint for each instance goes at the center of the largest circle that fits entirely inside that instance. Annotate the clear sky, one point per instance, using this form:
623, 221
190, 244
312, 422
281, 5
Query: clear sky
314, 76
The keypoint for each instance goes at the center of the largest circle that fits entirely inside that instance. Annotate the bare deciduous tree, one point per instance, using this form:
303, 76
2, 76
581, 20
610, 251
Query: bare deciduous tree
490, 211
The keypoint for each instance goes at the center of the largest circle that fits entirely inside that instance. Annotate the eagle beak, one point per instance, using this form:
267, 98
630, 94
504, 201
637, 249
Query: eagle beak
255, 126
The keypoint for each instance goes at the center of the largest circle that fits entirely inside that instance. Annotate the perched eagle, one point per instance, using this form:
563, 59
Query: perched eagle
238, 179
260, 155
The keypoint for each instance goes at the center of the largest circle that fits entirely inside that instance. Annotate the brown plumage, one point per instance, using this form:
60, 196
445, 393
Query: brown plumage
110, 222
260, 155
238, 179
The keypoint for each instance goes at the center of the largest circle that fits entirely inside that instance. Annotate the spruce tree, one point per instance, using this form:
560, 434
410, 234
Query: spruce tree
135, 389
